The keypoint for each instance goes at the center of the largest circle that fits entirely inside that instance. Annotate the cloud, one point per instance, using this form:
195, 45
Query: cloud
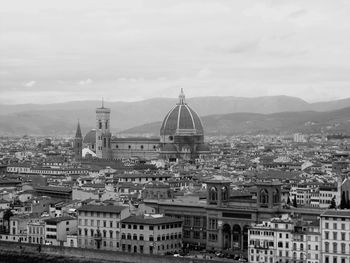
85, 82
30, 84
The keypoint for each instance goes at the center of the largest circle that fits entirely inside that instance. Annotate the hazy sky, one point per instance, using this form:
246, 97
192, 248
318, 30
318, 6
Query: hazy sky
59, 50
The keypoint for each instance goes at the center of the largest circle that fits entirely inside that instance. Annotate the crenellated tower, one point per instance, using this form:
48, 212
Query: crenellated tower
78, 144
103, 134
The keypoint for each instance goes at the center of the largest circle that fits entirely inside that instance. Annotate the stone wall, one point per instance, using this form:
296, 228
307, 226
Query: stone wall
68, 254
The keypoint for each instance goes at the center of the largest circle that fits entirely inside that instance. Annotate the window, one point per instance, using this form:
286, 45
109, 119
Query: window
187, 221
197, 221
343, 236
196, 235
213, 224
326, 247
150, 227
335, 235
150, 238
342, 248
326, 235
335, 247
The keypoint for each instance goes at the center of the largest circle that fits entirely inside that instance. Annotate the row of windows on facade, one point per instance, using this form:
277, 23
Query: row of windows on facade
128, 247
99, 214
141, 147
92, 223
197, 221
267, 244
140, 179
151, 238
196, 234
141, 227
335, 259
335, 236
327, 246
335, 226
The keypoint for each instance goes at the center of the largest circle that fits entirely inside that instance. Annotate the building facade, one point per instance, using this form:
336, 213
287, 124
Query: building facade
99, 226
151, 234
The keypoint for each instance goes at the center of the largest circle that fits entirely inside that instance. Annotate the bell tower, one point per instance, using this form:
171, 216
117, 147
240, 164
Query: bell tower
103, 134
78, 144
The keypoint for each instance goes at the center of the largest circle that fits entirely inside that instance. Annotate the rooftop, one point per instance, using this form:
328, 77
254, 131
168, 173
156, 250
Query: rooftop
102, 208
150, 220
337, 213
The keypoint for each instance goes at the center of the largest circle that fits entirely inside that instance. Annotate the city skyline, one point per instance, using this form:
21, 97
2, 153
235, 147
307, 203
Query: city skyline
135, 50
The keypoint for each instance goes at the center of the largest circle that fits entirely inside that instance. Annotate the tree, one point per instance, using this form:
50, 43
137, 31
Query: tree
295, 201
343, 203
333, 204
6, 217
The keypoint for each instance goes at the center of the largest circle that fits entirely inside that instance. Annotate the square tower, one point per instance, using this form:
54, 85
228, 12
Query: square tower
103, 134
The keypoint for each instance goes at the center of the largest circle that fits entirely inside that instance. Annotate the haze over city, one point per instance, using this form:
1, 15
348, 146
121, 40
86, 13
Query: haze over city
55, 51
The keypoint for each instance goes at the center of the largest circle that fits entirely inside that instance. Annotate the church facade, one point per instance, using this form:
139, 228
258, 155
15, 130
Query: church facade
181, 137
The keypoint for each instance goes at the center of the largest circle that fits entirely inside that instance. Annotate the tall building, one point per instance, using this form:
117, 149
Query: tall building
78, 144
103, 134
285, 239
182, 134
335, 231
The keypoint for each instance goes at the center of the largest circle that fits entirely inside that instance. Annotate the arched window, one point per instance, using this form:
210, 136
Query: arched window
276, 197
224, 193
264, 196
213, 194
104, 142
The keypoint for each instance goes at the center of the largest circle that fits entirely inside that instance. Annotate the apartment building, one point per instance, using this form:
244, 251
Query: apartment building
151, 234
58, 228
99, 225
284, 239
335, 231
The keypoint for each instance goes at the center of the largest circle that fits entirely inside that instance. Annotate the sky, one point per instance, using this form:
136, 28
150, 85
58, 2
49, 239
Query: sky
63, 50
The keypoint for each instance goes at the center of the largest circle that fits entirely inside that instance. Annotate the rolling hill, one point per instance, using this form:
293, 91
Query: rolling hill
61, 118
253, 123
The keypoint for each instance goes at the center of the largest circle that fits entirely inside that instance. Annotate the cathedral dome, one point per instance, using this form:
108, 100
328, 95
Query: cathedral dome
90, 137
181, 120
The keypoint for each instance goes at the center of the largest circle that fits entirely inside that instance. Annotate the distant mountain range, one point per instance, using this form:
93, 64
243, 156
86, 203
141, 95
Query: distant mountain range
276, 123
221, 115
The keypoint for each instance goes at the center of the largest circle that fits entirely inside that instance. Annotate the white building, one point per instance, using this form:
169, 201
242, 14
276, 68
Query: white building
284, 240
335, 231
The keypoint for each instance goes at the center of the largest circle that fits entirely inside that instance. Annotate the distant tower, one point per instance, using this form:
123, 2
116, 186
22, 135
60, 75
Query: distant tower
103, 134
78, 144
